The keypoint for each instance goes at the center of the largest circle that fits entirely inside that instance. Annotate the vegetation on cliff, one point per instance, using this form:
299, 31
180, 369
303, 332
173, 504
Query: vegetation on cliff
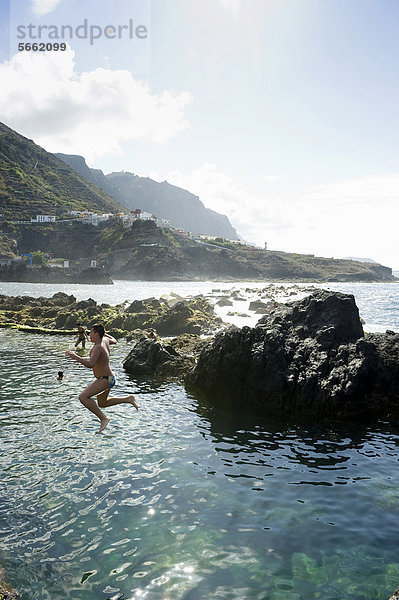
33, 181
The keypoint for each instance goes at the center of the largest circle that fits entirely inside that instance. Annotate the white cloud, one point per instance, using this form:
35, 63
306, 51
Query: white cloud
90, 113
350, 218
43, 7
252, 214
271, 178
232, 6
371, 189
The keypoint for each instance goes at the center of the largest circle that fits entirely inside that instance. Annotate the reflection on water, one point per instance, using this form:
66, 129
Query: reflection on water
183, 500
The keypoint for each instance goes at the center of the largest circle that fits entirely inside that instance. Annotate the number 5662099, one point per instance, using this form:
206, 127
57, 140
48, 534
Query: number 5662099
42, 47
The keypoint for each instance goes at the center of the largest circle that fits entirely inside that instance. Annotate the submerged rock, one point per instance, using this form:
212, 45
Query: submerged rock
309, 356
224, 301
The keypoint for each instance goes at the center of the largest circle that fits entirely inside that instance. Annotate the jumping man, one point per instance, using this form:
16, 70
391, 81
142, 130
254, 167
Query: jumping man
104, 377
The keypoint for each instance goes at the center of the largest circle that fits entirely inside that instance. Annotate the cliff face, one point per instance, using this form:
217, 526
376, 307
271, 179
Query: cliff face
148, 252
78, 164
33, 181
164, 200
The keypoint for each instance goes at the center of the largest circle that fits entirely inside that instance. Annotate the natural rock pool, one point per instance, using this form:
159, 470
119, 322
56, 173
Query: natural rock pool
183, 500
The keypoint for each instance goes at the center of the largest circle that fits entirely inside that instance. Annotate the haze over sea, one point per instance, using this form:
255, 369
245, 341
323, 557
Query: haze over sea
183, 499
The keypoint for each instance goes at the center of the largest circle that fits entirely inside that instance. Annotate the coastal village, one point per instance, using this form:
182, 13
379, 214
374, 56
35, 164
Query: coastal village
96, 220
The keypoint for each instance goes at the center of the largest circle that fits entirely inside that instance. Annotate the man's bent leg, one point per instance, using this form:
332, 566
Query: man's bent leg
104, 401
96, 388
125, 400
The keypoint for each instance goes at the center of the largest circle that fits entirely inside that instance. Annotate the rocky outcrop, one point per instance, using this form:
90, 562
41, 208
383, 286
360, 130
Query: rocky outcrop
21, 272
309, 356
163, 360
61, 313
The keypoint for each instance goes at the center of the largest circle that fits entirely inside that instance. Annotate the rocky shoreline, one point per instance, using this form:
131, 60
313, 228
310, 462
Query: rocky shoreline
23, 273
307, 356
60, 314
310, 356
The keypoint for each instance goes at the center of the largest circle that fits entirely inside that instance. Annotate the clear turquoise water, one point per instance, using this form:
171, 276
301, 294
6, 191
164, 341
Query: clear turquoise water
182, 500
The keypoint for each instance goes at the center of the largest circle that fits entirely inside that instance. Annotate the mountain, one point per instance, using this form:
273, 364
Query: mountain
33, 181
164, 200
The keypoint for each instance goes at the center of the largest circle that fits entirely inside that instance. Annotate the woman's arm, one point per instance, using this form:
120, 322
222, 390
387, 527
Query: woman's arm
111, 339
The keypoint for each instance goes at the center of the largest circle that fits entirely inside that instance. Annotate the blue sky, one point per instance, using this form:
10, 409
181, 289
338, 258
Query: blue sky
281, 114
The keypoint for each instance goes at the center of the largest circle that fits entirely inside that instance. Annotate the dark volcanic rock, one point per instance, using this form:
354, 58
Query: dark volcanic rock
309, 356
150, 357
44, 274
196, 316
143, 305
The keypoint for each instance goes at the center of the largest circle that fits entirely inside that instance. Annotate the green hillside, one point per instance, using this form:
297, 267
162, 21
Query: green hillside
33, 181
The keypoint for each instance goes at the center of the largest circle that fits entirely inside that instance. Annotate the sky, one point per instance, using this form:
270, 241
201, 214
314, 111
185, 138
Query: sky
281, 114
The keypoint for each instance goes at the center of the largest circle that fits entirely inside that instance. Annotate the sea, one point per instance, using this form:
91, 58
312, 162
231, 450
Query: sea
184, 499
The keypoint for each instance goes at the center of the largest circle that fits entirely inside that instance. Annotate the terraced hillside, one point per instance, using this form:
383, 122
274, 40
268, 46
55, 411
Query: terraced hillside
33, 181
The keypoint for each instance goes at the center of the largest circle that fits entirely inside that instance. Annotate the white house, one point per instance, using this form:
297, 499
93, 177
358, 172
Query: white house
43, 219
105, 217
93, 219
164, 223
146, 216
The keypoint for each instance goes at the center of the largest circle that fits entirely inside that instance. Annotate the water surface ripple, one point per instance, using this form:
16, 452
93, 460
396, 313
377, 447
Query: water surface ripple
183, 500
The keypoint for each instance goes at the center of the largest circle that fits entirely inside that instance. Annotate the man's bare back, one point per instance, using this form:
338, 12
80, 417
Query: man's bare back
105, 378
101, 353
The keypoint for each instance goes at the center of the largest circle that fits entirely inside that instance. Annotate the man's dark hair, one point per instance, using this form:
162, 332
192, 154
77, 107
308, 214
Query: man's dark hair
98, 328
